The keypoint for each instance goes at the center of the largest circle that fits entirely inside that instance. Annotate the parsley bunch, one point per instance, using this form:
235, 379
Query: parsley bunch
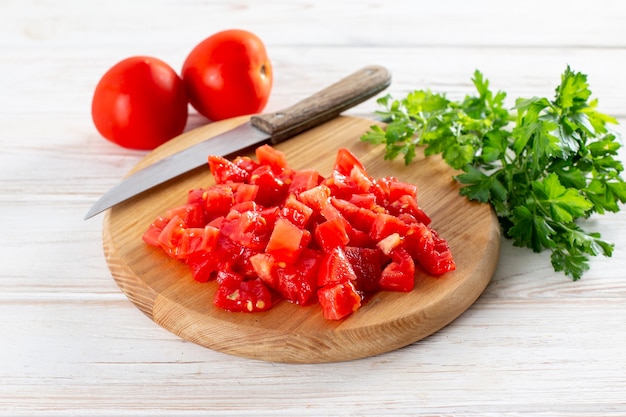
543, 166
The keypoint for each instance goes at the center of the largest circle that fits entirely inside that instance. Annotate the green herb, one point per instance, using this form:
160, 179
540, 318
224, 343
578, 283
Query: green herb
544, 165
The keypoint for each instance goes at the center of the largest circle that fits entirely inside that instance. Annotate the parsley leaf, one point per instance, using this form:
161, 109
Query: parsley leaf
545, 165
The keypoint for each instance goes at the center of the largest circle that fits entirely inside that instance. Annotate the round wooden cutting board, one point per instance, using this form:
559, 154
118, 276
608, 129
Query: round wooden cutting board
165, 291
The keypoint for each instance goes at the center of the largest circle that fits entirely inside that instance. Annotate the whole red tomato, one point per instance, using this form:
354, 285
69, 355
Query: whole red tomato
228, 74
140, 103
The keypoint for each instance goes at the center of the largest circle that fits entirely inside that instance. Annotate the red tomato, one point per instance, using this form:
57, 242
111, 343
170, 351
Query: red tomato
140, 103
228, 74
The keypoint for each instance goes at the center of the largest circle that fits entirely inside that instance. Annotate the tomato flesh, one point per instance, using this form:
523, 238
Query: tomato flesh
266, 232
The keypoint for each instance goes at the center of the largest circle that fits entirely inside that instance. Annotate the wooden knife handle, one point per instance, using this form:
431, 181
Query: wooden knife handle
323, 105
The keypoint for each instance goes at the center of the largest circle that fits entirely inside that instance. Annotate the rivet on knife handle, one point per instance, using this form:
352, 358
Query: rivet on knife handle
325, 104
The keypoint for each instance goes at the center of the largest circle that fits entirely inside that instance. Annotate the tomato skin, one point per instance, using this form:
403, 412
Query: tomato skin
140, 103
228, 74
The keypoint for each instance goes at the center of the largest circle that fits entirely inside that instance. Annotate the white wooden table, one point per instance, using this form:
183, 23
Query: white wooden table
71, 343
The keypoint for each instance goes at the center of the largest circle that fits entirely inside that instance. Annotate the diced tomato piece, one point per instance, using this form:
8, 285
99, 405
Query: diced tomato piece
399, 274
385, 225
211, 234
246, 163
248, 228
316, 197
303, 180
345, 161
398, 277
270, 215
381, 190
244, 266
366, 201
330, 212
347, 208
272, 189
285, 241
192, 214
367, 265
203, 265
398, 188
389, 243
265, 266
243, 207
341, 186
338, 300
181, 242
307, 238
335, 267
196, 196
295, 282
190, 242
296, 212
361, 239
360, 218
246, 192
217, 222
431, 251
243, 296
218, 200
228, 251
331, 234
298, 282
235, 256
228, 278
361, 180
171, 235
406, 204
151, 235
267, 155
225, 171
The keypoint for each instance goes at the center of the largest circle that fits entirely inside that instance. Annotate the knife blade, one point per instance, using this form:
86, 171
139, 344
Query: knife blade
260, 129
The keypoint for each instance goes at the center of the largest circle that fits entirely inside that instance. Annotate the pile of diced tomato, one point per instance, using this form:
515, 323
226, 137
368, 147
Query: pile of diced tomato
266, 232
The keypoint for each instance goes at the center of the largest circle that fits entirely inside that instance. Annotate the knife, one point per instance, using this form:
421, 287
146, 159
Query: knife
260, 129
